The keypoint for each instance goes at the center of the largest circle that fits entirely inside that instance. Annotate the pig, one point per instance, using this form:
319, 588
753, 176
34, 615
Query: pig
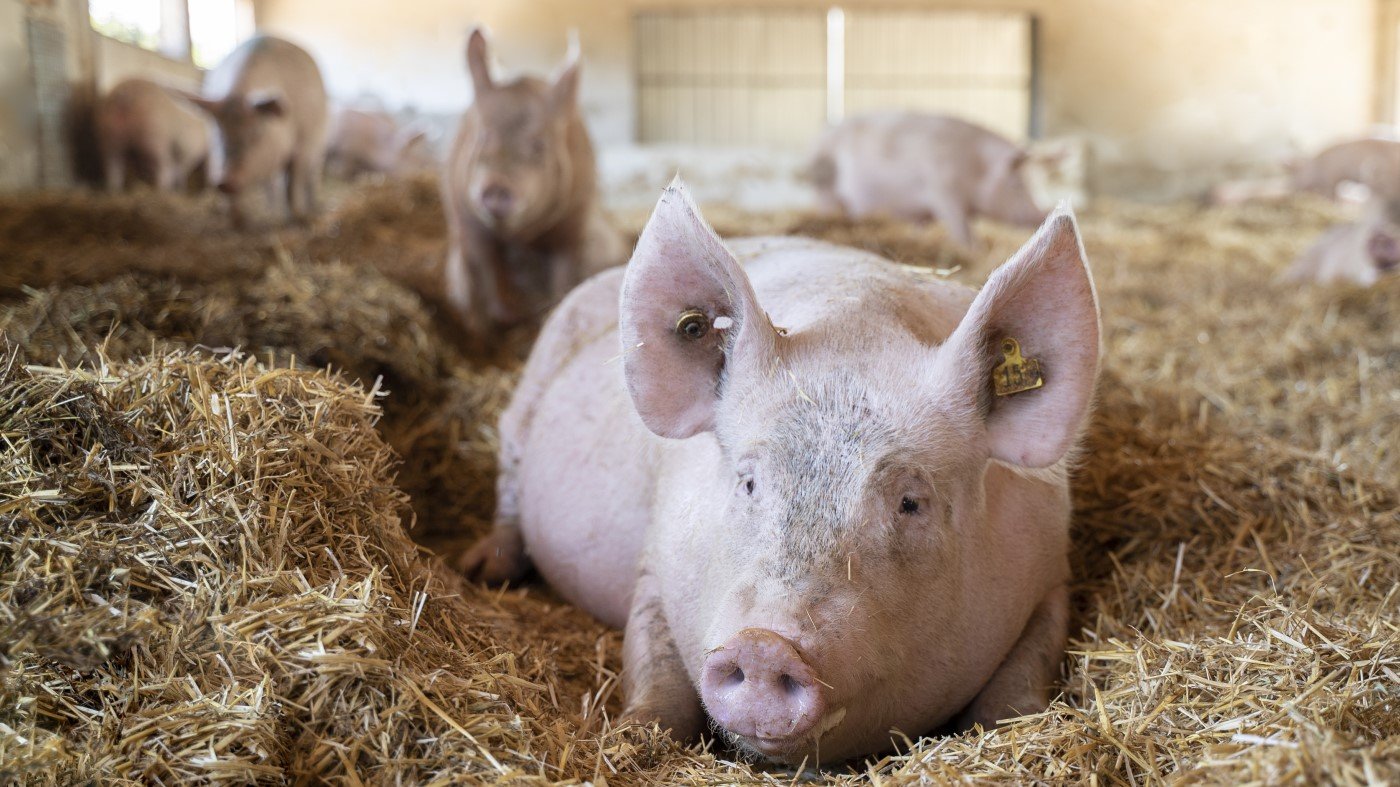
269, 104
1374, 163
918, 166
781, 466
148, 132
521, 196
1358, 253
373, 142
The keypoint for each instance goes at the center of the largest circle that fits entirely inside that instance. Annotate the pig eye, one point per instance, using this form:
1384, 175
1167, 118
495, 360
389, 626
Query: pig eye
908, 505
746, 484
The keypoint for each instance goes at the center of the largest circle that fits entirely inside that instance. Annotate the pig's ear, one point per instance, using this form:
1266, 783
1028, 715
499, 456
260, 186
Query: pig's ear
268, 105
1044, 298
689, 319
207, 104
565, 88
477, 64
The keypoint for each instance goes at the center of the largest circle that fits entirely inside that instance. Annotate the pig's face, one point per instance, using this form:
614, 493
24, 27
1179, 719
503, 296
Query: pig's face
1383, 244
1005, 195
255, 139
849, 478
844, 534
519, 171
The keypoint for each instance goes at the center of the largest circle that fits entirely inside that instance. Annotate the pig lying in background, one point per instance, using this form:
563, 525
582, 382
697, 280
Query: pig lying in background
917, 167
269, 103
818, 532
365, 142
146, 132
1357, 253
521, 196
1374, 163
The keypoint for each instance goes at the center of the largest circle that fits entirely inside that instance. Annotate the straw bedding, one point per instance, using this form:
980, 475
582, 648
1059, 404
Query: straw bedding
206, 570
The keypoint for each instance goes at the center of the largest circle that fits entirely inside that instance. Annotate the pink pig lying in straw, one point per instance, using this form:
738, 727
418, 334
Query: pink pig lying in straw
815, 533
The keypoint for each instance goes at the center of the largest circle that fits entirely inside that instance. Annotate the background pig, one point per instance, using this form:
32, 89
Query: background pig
1374, 163
269, 103
814, 534
918, 166
1357, 253
145, 131
364, 142
520, 191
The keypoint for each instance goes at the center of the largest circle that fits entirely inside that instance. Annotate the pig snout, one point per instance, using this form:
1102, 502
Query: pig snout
497, 200
758, 686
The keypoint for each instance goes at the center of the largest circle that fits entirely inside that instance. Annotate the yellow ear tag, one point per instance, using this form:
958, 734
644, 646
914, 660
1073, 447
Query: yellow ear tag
1016, 374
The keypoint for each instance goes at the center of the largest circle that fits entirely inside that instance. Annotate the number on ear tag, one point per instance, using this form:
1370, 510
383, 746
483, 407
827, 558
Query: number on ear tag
1016, 374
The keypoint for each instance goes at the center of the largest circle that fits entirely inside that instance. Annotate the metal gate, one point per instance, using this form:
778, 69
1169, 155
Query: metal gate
731, 77
973, 64
776, 76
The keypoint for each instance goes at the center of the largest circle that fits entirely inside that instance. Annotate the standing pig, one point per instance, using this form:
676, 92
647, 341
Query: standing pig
145, 131
371, 141
521, 197
815, 533
1357, 253
1374, 163
915, 166
269, 104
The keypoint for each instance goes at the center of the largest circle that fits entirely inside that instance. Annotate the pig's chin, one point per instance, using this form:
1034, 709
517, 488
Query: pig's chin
786, 751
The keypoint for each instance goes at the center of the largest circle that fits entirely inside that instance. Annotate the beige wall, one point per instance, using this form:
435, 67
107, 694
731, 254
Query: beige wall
1167, 92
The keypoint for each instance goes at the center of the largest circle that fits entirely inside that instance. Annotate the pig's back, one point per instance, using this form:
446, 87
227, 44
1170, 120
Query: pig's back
267, 63
894, 162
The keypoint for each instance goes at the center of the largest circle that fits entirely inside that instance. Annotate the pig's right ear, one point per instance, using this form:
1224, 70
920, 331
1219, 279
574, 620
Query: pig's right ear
1044, 299
207, 104
688, 319
477, 61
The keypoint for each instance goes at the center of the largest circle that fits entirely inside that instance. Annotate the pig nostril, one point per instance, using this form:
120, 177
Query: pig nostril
790, 685
734, 678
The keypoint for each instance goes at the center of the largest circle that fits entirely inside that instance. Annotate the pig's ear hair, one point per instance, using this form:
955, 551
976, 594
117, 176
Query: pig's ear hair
268, 104
478, 64
1044, 298
565, 87
688, 320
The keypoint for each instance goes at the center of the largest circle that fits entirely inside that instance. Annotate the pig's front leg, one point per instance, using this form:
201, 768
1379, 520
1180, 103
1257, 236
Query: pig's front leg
654, 681
954, 216
564, 272
1022, 683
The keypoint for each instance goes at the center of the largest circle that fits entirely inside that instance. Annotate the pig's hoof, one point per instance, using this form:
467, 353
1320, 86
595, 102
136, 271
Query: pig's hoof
494, 560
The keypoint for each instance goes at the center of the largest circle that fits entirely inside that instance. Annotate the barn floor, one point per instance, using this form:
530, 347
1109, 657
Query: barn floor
204, 569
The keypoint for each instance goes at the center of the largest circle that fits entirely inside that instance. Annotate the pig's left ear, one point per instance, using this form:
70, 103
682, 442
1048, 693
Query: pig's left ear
688, 321
1044, 298
565, 87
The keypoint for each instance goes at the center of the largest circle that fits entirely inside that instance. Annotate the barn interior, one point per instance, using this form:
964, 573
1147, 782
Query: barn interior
239, 462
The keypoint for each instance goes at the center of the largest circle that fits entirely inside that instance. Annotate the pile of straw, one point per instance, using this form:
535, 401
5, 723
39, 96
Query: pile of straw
206, 571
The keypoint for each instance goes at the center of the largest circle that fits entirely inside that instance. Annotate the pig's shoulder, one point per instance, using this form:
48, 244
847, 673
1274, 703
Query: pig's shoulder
805, 283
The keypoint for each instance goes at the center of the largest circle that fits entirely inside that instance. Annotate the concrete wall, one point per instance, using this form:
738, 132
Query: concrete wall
1169, 93
41, 139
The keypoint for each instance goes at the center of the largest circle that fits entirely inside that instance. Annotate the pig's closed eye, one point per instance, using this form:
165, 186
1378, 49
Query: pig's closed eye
746, 484
908, 505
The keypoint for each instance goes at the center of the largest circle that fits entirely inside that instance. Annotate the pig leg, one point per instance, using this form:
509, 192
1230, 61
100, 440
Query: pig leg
655, 683
166, 173
563, 275
500, 556
954, 216
1022, 683
302, 177
114, 171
